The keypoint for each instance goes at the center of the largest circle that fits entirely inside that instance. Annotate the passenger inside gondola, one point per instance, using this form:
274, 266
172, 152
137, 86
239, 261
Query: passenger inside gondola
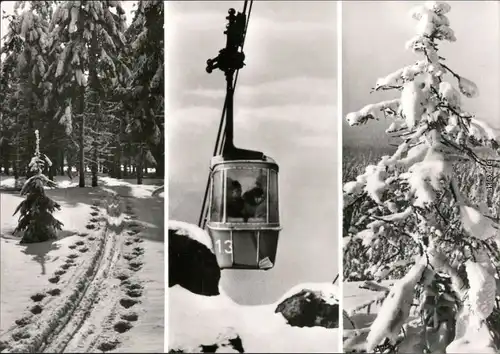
253, 201
235, 203
248, 206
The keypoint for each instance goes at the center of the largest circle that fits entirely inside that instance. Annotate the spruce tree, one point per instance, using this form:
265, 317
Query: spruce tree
143, 95
36, 219
413, 222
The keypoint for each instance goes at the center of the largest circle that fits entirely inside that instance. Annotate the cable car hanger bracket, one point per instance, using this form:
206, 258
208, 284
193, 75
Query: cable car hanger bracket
230, 60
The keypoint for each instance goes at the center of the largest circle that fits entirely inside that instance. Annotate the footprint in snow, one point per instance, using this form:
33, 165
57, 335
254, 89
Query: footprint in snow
133, 285
55, 280
134, 293
135, 266
54, 292
129, 256
72, 256
122, 326
138, 250
22, 322
128, 302
107, 346
83, 250
129, 316
72, 247
37, 309
38, 297
122, 276
60, 272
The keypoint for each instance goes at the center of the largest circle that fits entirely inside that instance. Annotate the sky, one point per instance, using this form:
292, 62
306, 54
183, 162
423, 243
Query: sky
374, 35
285, 106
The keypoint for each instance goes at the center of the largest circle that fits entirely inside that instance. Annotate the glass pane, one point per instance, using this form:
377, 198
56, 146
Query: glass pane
216, 205
273, 197
246, 199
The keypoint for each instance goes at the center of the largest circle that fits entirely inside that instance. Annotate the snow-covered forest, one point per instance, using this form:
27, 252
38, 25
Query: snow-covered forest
90, 84
423, 222
82, 99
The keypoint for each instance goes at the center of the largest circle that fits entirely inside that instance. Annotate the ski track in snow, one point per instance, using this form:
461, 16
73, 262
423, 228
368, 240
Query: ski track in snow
88, 311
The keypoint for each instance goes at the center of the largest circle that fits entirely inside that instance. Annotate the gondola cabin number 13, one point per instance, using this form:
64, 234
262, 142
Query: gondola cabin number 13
225, 246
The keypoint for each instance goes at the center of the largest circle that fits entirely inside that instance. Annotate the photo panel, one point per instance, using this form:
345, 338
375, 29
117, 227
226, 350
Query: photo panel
421, 170
252, 144
82, 156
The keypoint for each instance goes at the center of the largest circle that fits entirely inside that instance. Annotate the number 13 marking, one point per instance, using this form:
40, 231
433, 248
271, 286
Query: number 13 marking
228, 246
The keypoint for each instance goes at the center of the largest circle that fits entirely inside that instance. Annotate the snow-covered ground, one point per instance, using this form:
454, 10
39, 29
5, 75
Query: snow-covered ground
196, 319
65, 295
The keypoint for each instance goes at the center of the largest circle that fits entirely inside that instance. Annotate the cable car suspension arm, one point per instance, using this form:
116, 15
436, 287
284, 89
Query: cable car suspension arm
229, 60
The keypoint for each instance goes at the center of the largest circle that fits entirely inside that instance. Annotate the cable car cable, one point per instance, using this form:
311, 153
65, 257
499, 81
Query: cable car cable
220, 141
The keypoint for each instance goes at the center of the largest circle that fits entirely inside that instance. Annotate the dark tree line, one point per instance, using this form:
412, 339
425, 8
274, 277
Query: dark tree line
90, 84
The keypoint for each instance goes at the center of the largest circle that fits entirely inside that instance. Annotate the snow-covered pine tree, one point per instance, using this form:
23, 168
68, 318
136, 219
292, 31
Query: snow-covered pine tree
412, 217
143, 94
36, 219
87, 35
23, 71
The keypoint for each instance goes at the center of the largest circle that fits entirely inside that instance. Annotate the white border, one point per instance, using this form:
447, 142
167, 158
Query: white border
340, 117
166, 180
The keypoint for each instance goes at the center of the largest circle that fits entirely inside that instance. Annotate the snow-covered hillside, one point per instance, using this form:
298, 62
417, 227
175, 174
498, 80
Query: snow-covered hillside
99, 287
202, 318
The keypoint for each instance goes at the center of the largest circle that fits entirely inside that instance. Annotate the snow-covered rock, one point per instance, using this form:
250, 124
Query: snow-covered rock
311, 306
191, 261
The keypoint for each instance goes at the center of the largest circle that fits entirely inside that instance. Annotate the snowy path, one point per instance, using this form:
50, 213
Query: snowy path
107, 296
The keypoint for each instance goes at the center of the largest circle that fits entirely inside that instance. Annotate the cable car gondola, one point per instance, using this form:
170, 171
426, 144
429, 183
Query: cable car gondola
242, 215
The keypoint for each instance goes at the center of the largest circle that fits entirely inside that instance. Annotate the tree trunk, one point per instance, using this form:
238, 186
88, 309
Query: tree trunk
82, 138
61, 162
16, 157
94, 84
160, 168
119, 161
94, 167
139, 168
52, 169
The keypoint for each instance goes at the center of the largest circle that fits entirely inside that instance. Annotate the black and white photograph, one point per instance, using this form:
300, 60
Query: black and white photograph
82, 170
421, 170
253, 187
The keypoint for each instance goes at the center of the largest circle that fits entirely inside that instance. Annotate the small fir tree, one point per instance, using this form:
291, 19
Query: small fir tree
36, 219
